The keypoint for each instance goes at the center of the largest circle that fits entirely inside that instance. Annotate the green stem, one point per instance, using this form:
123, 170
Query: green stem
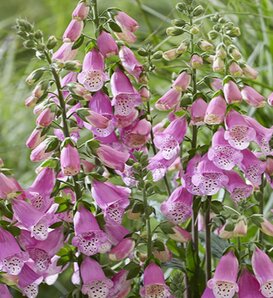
94, 6
208, 238
261, 205
64, 117
148, 224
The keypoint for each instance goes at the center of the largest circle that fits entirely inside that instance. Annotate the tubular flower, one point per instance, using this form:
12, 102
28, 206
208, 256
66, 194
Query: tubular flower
106, 44
169, 100
198, 111
70, 160
248, 286
232, 92
216, 110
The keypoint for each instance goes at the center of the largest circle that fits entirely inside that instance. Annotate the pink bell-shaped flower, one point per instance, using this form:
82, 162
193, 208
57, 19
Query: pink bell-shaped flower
232, 92
73, 30
169, 100
248, 286
216, 111
70, 160
252, 97
106, 44
198, 111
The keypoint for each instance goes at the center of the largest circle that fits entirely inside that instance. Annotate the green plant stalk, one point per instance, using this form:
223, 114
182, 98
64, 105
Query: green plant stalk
94, 6
208, 238
261, 205
64, 117
148, 224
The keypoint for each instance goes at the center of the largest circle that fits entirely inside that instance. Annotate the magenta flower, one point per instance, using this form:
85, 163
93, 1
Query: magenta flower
169, 140
169, 100
196, 61
222, 154
216, 111
252, 97
238, 132
198, 111
182, 82
154, 283
89, 238
115, 232
81, 11
9, 187
70, 160
122, 250
125, 97
187, 178
41, 152
209, 178
12, 258
92, 76
65, 52
128, 26
248, 286
35, 138
263, 270
95, 283
41, 252
216, 84
252, 167
137, 134
237, 187
180, 235
178, 207
122, 286
232, 92
45, 118
29, 281
73, 30
112, 199
112, 158
263, 135
223, 284
208, 293
38, 223
4, 290
270, 99
130, 63
107, 44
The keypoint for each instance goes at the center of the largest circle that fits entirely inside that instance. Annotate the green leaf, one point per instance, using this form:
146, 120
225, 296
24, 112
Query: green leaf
78, 42
133, 270
115, 27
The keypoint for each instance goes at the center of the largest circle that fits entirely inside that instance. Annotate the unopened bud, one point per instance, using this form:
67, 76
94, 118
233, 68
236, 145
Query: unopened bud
205, 46
234, 32
72, 65
174, 31
34, 76
182, 48
181, 6
198, 10
51, 42
170, 55
194, 30
212, 34
235, 53
179, 22
157, 55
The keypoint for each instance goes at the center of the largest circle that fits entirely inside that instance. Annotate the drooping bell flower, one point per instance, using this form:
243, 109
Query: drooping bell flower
153, 283
39, 192
38, 223
252, 97
238, 132
252, 167
65, 53
209, 178
45, 118
263, 270
4, 290
169, 100
92, 76
178, 207
96, 120
168, 142
81, 11
122, 250
125, 97
29, 281
95, 283
222, 154
162, 255
130, 63
180, 235
115, 232
9, 187
71, 77
41, 252
248, 286
12, 258
250, 72
137, 134
158, 165
235, 69
216, 111
35, 138
232, 92
266, 227
73, 30
128, 26
112, 158
237, 187
43, 150
216, 84
112, 199
107, 44
263, 135
196, 61
52, 273
187, 177
182, 82
198, 111
208, 293
89, 238
240, 229
70, 160
223, 284
122, 286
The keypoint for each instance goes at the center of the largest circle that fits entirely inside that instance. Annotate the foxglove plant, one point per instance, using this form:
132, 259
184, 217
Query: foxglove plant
132, 182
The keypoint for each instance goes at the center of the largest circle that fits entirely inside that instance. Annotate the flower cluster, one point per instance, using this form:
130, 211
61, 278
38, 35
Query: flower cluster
120, 195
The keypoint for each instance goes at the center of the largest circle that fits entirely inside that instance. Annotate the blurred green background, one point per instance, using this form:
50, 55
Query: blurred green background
16, 121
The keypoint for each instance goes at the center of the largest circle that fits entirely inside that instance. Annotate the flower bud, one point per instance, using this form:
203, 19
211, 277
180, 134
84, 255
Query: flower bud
181, 6
253, 97
73, 31
198, 10
87, 166
235, 53
194, 30
182, 48
182, 82
179, 22
174, 31
122, 250
180, 235
216, 111
51, 42
35, 138
157, 55
31, 101
213, 34
170, 55
196, 61
234, 32
240, 229
163, 255
72, 65
267, 227
205, 46
145, 93
35, 76
218, 64
250, 72
221, 51
40, 89
235, 70
45, 118
81, 11
107, 44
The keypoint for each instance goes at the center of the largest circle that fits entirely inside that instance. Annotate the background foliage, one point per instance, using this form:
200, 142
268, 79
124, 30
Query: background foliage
254, 17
